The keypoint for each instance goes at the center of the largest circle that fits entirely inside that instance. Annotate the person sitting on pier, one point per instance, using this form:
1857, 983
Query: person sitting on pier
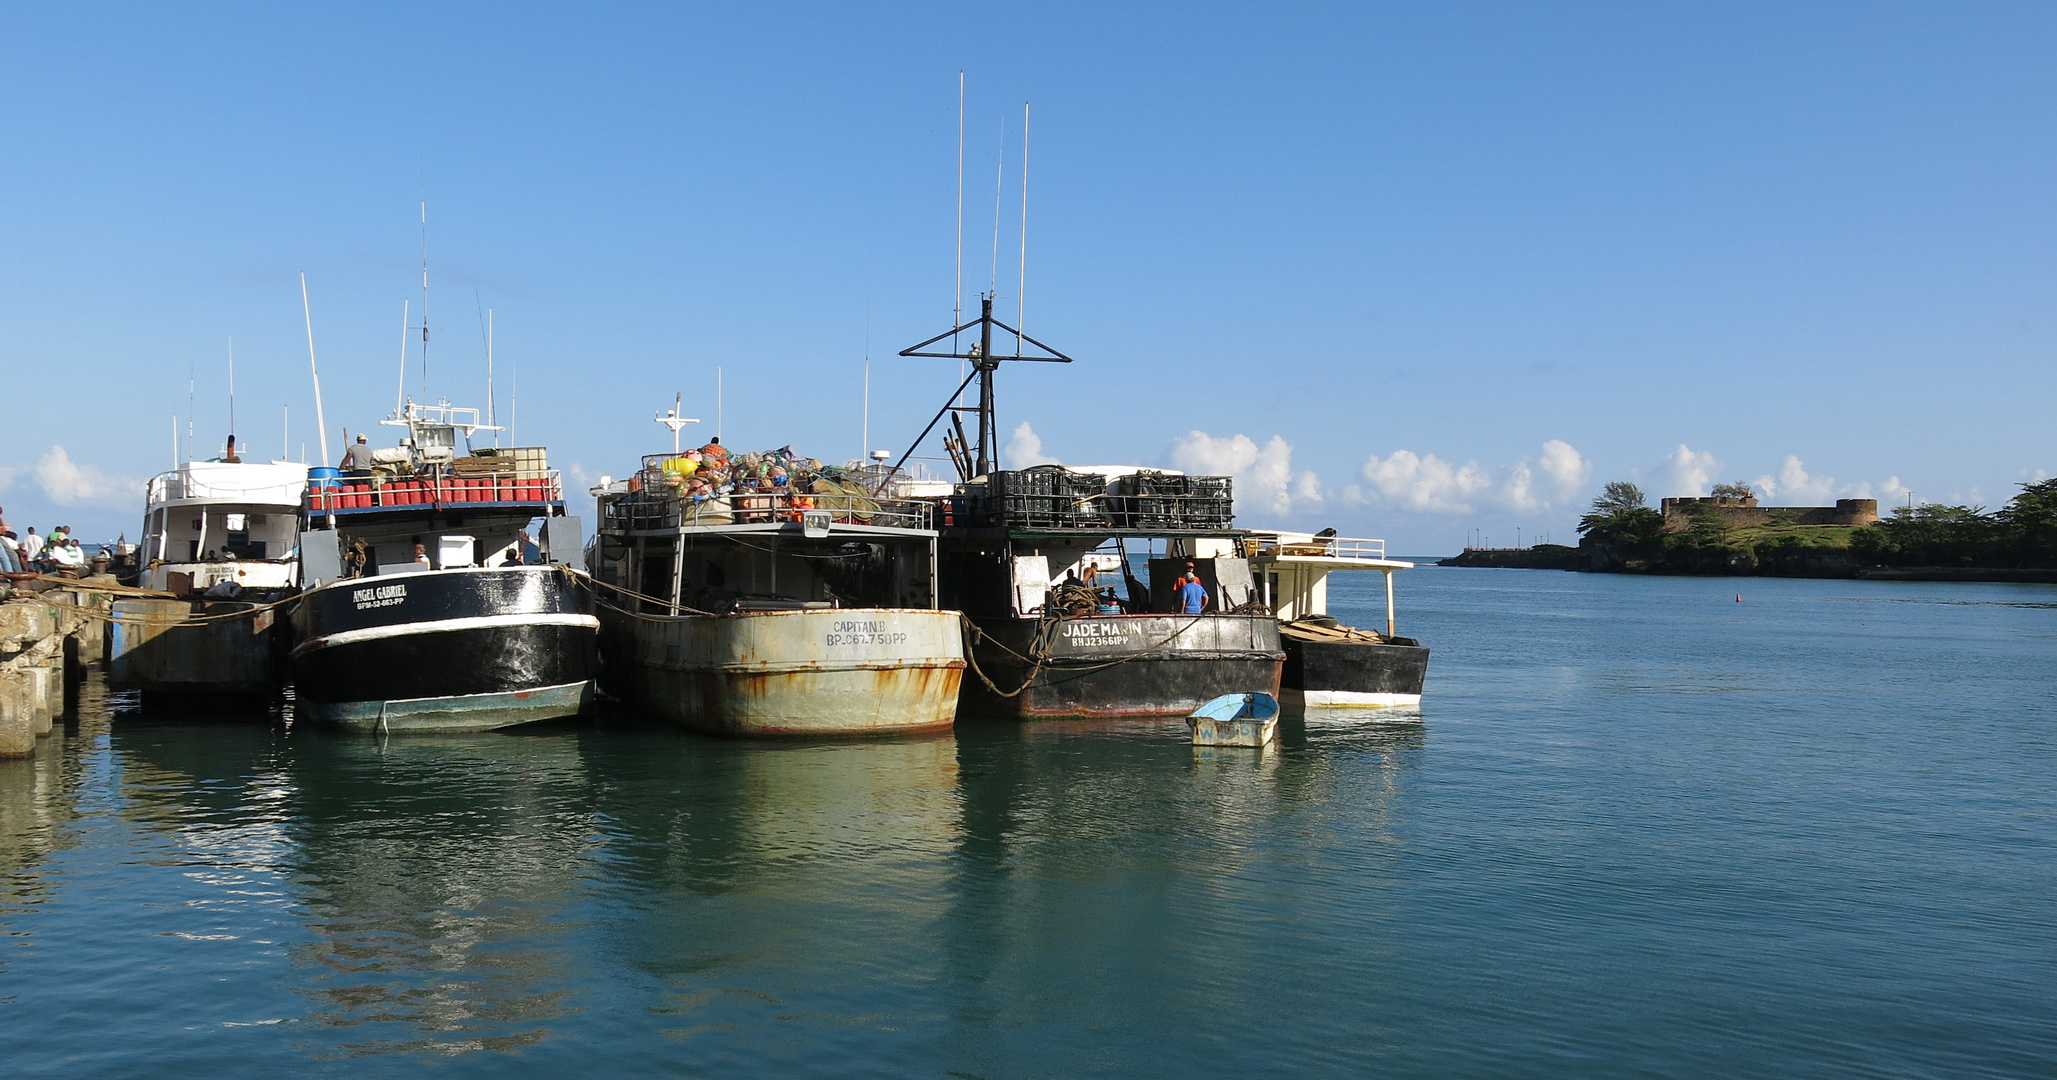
10, 553
64, 555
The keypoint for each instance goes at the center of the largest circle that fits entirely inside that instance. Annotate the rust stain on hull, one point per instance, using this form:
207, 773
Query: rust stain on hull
820, 673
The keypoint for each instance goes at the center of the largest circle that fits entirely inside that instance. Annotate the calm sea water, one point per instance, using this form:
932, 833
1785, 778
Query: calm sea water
1639, 829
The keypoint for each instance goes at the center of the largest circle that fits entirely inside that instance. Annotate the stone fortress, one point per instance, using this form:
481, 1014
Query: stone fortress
1743, 511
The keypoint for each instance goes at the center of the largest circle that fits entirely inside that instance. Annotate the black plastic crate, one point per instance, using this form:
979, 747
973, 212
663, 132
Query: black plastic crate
1075, 484
1209, 487
1201, 512
1009, 483
1028, 511
1147, 483
1172, 512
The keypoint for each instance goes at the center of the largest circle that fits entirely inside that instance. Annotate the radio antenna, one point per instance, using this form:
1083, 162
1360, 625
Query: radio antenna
400, 390
424, 301
320, 420
1021, 288
957, 297
999, 183
492, 415
232, 387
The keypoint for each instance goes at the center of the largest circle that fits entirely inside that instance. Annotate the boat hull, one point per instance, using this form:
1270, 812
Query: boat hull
452, 650
1121, 665
839, 672
1353, 673
159, 647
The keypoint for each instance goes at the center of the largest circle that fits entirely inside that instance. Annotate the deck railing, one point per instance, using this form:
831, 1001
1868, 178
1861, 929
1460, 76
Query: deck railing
1327, 547
645, 511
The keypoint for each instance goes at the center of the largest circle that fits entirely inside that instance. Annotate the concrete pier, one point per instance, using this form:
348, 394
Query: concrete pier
46, 639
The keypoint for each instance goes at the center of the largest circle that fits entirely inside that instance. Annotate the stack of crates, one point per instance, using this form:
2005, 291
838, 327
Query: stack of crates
1153, 500
1045, 497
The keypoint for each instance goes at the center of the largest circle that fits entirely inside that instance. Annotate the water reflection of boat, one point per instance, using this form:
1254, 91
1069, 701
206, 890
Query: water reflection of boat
434, 872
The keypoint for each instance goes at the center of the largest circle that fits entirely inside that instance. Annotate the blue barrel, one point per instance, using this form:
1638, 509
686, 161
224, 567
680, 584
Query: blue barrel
322, 476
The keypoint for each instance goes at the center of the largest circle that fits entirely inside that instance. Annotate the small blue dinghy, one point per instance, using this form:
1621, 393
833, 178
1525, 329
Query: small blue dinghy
1236, 720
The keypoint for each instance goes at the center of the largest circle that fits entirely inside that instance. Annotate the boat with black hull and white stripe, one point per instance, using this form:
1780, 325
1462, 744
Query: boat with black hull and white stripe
1327, 663
427, 608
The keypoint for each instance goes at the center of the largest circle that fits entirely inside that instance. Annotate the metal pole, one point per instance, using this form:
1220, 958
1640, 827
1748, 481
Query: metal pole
321, 422
988, 427
678, 567
1389, 603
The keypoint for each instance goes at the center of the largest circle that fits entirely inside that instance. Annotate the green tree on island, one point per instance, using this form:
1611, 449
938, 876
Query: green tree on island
1621, 515
2032, 517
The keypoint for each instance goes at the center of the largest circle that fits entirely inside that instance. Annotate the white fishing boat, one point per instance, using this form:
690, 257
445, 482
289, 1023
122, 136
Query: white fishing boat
225, 526
804, 606
221, 538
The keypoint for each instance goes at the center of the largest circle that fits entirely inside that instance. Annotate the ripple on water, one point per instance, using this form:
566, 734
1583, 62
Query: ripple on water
1636, 828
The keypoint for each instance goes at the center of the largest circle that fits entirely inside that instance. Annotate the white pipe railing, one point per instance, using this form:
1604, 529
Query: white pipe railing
1327, 547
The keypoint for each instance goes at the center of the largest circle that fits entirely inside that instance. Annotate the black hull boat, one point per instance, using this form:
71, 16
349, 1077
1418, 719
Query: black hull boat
426, 607
1322, 669
445, 650
1327, 663
1116, 666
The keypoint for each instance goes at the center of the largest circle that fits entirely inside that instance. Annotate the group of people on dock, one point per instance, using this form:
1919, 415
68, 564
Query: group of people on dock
30, 554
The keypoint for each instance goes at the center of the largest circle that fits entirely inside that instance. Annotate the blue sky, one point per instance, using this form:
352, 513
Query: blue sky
1410, 270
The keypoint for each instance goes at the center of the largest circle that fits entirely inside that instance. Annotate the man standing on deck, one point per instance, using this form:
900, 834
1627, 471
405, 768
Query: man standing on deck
1193, 595
358, 459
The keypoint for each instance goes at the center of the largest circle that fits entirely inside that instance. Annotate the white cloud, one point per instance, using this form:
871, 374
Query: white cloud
1265, 481
1025, 448
1688, 472
1427, 484
68, 483
1405, 480
1885, 491
1307, 487
1795, 486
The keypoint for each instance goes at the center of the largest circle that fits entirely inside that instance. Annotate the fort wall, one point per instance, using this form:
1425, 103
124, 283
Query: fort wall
1744, 511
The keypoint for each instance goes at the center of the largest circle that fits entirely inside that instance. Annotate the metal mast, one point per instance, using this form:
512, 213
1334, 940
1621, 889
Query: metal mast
977, 459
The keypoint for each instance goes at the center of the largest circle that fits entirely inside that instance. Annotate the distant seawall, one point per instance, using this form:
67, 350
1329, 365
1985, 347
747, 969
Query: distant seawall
1540, 557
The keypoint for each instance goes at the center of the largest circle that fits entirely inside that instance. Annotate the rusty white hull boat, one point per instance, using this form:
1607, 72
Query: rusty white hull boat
848, 671
805, 609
